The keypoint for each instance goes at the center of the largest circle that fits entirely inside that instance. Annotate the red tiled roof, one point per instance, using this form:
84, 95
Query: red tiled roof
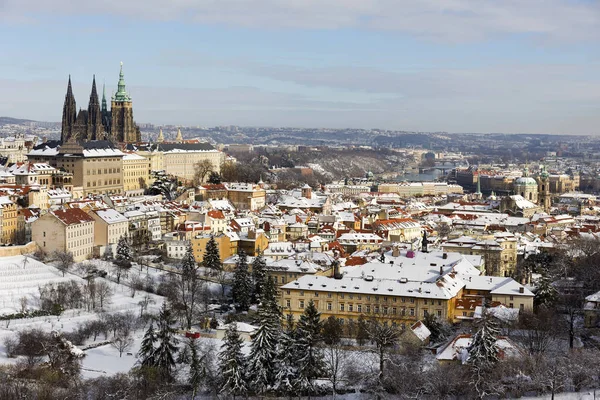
72, 216
216, 214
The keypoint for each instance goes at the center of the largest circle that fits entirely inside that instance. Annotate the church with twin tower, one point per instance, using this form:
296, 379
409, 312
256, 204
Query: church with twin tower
97, 122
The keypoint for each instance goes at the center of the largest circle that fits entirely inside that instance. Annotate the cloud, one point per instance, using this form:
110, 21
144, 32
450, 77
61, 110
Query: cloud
445, 21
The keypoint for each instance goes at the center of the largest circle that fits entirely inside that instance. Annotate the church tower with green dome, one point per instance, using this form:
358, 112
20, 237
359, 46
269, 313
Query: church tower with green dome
123, 128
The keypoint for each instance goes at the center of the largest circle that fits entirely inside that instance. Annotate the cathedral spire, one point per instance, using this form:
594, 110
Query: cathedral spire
69, 114
121, 94
104, 109
160, 137
179, 138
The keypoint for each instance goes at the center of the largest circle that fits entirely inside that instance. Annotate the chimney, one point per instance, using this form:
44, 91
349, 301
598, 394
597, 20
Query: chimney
395, 251
336, 270
441, 270
445, 256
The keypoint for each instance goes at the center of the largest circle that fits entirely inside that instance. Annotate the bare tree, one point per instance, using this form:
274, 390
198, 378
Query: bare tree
135, 283
144, 303
122, 341
384, 336
90, 293
201, 170
64, 260
536, 331
103, 293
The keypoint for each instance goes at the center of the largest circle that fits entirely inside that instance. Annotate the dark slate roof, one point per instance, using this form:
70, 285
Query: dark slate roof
185, 146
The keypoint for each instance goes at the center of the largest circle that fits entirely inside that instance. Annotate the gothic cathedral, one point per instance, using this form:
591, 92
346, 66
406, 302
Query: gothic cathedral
97, 122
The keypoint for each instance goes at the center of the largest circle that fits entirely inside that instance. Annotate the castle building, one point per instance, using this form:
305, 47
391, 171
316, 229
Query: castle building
97, 122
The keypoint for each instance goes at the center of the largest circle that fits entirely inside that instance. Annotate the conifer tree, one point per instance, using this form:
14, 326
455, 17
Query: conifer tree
285, 378
259, 266
546, 294
166, 343
306, 348
242, 287
191, 356
146, 353
232, 363
124, 252
483, 351
263, 354
212, 259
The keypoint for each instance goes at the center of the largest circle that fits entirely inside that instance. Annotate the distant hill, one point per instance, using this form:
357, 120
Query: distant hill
16, 121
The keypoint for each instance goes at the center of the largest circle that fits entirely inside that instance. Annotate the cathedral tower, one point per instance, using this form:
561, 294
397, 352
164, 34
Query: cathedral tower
105, 112
94, 123
69, 114
123, 129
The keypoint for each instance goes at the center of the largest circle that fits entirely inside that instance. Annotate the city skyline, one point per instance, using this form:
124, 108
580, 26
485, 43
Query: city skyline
416, 66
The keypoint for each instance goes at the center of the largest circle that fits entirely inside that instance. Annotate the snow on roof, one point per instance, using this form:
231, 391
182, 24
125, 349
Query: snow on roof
420, 330
71, 216
445, 288
5, 200
241, 327
132, 156
111, 216
522, 203
496, 285
457, 348
102, 152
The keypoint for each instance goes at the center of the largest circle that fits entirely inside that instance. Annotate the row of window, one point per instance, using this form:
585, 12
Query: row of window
366, 309
106, 171
106, 182
394, 299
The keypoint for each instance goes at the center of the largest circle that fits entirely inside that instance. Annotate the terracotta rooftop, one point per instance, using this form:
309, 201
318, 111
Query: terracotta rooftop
72, 216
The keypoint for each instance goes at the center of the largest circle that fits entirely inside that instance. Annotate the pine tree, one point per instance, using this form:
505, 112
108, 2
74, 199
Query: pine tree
166, 343
124, 252
212, 259
191, 356
241, 283
263, 352
269, 298
483, 351
306, 348
146, 353
285, 378
546, 294
259, 266
232, 363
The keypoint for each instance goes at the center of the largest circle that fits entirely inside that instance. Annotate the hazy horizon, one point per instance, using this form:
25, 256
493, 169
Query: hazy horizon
464, 66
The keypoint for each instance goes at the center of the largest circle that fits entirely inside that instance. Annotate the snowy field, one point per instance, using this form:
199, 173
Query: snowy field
21, 277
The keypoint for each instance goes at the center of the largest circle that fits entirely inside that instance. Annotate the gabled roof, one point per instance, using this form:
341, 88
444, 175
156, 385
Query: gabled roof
72, 216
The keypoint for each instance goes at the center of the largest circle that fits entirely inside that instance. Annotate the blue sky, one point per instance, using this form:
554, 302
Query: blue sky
425, 65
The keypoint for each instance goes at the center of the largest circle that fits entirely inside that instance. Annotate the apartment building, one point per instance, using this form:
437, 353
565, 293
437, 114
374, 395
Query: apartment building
70, 230
109, 227
8, 216
136, 174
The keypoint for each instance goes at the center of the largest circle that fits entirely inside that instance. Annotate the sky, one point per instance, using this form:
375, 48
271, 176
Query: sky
513, 66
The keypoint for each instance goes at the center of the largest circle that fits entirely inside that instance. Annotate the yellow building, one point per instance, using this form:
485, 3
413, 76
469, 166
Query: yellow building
499, 251
70, 230
180, 159
97, 167
9, 220
228, 245
403, 291
246, 196
136, 174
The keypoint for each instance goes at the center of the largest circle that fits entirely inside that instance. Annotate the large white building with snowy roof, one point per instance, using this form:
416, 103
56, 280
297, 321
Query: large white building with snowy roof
404, 289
